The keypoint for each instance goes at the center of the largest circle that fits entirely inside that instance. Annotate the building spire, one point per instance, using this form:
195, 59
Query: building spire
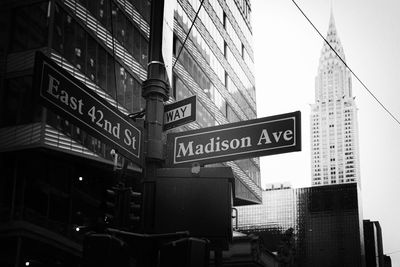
333, 39
331, 19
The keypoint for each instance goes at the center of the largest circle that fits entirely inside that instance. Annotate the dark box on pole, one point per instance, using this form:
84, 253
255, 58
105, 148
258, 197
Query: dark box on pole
179, 200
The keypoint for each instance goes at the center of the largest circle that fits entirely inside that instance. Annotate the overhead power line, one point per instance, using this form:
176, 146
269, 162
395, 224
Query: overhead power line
393, 252
365, 87
113, 54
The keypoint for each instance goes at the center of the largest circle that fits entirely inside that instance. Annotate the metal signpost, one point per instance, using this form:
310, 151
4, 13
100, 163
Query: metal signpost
260, 137
68, 97
179, 113
65, 95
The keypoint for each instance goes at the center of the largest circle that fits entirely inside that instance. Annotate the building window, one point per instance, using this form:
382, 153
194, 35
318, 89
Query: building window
230, 114
225, 50
220, 102
30, 27
86, 53
18, 94
224, 20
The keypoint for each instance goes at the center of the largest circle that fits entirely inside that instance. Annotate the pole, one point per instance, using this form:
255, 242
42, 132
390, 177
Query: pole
155, 90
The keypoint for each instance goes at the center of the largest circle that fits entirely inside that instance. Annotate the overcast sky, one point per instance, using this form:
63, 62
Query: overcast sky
287, 51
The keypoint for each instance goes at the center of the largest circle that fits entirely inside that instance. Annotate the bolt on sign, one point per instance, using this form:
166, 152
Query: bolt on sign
65, 95
246, 139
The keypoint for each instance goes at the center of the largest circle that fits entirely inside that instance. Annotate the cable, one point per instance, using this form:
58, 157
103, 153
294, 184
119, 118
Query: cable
113, 52
393, 252
187, 35
365, 87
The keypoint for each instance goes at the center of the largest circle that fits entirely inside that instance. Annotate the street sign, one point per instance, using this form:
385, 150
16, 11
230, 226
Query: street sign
179, 113
68, 97
259, 137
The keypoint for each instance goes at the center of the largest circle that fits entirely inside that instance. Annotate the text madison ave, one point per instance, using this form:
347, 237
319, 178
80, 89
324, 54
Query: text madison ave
253, 138
217, 144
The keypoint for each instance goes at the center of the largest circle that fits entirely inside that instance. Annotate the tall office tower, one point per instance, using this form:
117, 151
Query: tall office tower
216, 65
334, 129
53, 173
312, 226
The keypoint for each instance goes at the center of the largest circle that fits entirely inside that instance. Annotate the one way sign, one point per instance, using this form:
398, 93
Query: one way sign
179, 113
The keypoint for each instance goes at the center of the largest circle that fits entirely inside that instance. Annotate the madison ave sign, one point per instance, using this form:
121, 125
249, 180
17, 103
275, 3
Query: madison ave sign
68, 97
260, 137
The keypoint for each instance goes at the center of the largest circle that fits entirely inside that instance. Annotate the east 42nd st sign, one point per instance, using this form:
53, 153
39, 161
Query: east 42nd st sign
253, 138
68, 97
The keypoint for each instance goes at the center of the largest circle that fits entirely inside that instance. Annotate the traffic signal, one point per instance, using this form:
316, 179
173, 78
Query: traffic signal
122, 207
129, 209
134, 212
109, 205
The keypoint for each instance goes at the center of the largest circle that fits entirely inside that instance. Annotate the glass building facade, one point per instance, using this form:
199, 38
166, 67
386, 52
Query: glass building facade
53, 174
316, 226
216, 64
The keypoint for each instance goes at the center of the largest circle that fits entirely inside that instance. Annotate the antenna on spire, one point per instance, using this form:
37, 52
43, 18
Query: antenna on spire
332, 19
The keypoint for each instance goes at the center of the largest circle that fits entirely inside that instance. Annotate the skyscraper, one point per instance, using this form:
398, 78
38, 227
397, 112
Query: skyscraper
217, 65
334, 130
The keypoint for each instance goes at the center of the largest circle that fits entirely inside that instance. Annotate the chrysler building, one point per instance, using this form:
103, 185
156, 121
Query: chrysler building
333, 121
